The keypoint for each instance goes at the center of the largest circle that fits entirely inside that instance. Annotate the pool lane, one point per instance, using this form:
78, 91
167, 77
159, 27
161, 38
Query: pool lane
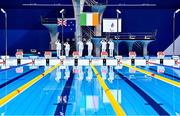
170, 73
15, 78
20, 80
39, 99
131, 101
11, 73
166, 95
150, 101
12, 67
162, 78
117, 107
22, 88
86, 95
64, 98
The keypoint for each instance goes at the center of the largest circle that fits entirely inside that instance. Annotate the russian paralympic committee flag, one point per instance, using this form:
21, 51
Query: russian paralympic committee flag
89, 19
69, 25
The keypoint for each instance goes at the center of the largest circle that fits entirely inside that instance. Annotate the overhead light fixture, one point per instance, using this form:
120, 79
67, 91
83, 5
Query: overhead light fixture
118, 11
177, 10
62, 11
3, 11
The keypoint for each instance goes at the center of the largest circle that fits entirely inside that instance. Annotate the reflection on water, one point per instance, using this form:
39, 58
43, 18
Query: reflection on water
46, 68
67, 73
111, 74
89, 73
160, 69
79, 71
58, 74
104, 71
20, 69
33, 67
116, 93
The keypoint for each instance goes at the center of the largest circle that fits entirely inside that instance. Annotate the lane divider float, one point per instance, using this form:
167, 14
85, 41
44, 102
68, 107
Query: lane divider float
116, 106
21, 89
172, 82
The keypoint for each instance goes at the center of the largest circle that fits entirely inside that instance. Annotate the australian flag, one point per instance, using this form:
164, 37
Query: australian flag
69, 25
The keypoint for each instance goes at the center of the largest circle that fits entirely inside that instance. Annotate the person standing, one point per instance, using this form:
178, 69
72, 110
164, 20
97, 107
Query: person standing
67, 48
103, 45
90, 47
80, 48
111, 48
58, 48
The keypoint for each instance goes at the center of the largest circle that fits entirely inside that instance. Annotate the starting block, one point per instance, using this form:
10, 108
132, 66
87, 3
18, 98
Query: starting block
76, 56
47, 55
104, 55
161, 55
132, 55
19, 56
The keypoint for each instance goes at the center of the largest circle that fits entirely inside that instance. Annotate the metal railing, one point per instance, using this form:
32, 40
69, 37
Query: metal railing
91, 2
87, 32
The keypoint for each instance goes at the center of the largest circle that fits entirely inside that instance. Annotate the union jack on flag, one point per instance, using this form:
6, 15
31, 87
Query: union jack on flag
60, 22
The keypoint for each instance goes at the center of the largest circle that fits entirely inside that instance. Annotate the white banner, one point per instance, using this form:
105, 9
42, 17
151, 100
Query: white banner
110, 25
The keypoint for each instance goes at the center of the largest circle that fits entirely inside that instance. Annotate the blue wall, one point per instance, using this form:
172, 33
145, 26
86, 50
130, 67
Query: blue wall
25, 30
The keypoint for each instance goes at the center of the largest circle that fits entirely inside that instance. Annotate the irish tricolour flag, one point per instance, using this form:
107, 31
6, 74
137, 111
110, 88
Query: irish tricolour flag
89, 19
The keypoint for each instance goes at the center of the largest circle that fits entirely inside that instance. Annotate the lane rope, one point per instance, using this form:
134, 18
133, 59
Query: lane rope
24, 87
169, 81
116, 106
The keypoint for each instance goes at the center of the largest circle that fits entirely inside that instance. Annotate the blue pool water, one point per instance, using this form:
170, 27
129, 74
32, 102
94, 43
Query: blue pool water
77, 91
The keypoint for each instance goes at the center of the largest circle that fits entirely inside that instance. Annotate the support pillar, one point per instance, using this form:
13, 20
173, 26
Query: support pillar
97, 46
145, 47
100, 9
53, 35
145, 51
78, 8
130, 46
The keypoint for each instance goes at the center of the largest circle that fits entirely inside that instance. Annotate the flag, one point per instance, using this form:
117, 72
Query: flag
89, 19
110, 25
69, 25
60, 22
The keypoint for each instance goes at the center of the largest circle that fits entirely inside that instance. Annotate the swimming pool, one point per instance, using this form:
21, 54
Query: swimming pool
81, 90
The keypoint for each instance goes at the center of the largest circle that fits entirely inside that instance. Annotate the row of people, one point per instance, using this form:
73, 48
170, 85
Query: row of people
59, 48
81, 47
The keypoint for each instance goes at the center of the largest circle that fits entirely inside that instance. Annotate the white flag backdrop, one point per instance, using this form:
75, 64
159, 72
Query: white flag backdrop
110, 25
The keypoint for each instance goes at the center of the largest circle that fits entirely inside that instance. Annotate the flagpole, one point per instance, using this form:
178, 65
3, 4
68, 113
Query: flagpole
118, 12
62, 20
5, 15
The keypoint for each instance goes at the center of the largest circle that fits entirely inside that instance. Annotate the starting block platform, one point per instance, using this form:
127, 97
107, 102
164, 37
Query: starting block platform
96, 61
76, 60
